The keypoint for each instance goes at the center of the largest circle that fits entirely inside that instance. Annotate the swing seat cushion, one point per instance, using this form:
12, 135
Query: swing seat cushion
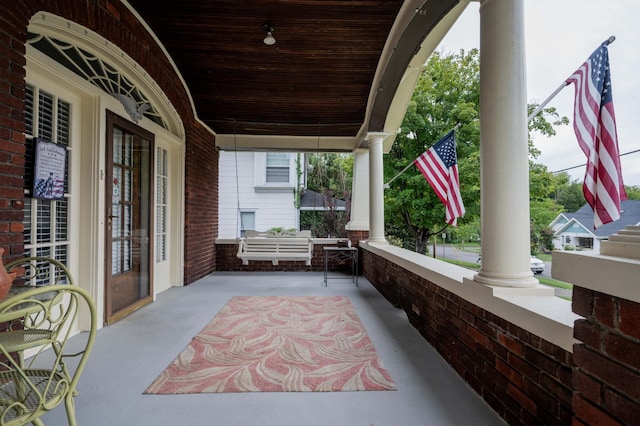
296, 248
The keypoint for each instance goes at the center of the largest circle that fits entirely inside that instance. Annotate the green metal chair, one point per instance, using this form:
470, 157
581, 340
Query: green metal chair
41, 321
38, 271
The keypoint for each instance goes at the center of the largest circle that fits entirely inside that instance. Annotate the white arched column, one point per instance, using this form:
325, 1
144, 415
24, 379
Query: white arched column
376, 189
504, 166
359, 220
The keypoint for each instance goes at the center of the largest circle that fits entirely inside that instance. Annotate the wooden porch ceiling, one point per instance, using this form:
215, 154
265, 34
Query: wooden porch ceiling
327, 76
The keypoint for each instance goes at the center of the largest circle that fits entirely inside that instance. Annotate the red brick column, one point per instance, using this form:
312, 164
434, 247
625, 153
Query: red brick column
355, 236
606, 376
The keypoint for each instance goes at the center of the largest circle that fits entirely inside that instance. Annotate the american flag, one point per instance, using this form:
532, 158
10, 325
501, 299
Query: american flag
439, 165
595, 126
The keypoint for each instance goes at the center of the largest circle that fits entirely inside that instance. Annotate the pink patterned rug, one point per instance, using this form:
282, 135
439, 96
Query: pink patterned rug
278, 344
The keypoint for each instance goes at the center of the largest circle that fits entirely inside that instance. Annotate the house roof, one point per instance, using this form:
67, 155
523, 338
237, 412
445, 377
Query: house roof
312, 200
629, 215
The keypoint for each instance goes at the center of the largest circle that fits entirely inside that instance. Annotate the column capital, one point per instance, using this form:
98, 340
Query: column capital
371, 136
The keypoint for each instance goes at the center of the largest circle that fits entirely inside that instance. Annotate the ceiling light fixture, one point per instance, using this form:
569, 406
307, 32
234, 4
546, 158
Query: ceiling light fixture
269, 39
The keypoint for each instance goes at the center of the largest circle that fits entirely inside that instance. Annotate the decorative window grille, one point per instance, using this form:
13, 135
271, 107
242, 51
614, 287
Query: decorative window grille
46, 222
162, 178
277, 167
93, 69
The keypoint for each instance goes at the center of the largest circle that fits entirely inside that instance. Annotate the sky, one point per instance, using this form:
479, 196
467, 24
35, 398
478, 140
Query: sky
559, 37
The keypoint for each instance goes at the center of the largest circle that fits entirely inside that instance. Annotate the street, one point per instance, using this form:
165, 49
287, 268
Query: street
449, 251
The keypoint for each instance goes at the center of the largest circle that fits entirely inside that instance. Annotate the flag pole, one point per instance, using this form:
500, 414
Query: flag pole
386, 185
546, 101
562, 86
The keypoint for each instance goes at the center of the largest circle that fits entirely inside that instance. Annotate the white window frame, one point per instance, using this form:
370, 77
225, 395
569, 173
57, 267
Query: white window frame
261, 184
241, 227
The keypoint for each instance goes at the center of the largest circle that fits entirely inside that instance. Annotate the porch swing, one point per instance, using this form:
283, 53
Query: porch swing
270, 246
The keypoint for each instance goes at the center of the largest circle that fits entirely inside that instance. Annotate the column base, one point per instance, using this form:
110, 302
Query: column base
377, 241
524, 280
357, 226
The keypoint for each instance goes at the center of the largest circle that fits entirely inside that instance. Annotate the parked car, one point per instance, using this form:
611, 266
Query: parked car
537, 265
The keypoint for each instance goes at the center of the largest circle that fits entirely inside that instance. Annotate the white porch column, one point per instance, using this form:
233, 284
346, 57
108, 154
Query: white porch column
504, 166
376, 190
359, 220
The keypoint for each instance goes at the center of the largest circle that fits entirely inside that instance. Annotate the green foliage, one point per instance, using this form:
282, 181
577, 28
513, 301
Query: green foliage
466, 232
543, 123
330, 171
633, 192
568, 193
331, 175
447, 93
280, 229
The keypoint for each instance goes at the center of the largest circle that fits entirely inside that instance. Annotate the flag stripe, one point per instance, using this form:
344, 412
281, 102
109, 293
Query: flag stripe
595, 128
439, 166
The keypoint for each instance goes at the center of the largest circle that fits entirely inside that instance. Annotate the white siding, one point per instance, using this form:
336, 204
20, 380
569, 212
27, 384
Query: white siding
271, 208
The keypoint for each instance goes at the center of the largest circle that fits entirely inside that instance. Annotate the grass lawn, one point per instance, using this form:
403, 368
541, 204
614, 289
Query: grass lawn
544, 257
547, 281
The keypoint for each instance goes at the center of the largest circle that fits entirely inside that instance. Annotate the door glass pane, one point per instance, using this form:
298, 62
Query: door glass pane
130, 219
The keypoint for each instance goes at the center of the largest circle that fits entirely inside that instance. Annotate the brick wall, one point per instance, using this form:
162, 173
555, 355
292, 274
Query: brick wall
201, 205
12, 127
113, 21
606, 376
524, 378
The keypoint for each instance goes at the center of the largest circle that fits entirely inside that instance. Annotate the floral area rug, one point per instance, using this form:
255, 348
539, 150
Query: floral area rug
278, 344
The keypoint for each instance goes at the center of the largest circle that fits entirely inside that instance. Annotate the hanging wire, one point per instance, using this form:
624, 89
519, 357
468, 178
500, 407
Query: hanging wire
239, 221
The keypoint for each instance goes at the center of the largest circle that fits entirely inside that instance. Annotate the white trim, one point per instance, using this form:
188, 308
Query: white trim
260, 176
89, 157
71, 32
616, 276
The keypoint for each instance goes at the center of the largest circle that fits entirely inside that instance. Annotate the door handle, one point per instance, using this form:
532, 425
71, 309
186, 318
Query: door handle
109, 220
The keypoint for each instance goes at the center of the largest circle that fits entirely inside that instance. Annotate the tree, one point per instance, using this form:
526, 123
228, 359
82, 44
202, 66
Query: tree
447, 93
568, 192
633, 192
541, 124
330, 171
329, 174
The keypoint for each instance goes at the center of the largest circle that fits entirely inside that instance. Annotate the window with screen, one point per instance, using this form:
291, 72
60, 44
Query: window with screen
277, 167
247, 221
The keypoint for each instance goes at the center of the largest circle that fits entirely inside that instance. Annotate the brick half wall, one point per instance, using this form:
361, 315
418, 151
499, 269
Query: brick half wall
606, 375
524, 378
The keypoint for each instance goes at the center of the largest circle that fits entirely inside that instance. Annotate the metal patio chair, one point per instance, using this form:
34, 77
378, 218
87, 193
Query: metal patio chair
40, 321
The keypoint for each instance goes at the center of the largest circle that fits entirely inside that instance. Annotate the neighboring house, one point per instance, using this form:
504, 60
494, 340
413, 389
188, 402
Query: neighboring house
257, 189
575, 230
312, 200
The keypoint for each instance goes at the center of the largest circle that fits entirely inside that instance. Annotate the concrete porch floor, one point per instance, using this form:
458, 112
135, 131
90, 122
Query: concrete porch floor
130, 354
